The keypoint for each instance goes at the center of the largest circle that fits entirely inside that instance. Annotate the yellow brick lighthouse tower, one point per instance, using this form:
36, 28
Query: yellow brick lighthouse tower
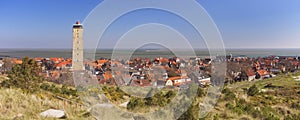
77, 55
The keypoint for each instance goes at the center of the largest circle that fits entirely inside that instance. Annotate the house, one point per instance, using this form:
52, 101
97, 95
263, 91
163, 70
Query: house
204, 81
17, 61
177, 81
56, 60
263, 74
62, 65
1, 63
275, 70
251, 75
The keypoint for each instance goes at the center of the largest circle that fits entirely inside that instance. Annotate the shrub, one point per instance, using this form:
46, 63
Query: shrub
135, 103
296, 105
54, 89
253, 90
192, 113
25, 76
228, 95
200, 92
229, 106
292, 117
255, 113
216, 117
45, 86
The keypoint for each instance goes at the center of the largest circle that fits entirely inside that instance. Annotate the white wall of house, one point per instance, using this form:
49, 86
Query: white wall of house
251, 78
1, 63
204, 81
169, 83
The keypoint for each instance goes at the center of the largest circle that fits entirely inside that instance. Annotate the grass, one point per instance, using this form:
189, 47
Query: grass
14, 102
278, 98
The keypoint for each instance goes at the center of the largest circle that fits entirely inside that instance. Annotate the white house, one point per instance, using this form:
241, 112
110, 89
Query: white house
204, 81
1, 63
251, 78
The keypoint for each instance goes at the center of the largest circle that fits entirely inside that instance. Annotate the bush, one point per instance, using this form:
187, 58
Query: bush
113, 93
135, 103
296, 105
45, 86
200, 92
54, 89
268, 113
25, 76
192, 113
216, 117
255, 113
253, 90
228, 95
229, 106
292, 117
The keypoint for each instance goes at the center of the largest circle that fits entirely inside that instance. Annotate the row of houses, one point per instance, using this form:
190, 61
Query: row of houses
168, 71
261, 68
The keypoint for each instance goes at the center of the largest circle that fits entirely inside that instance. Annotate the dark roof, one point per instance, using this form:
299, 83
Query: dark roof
77, 26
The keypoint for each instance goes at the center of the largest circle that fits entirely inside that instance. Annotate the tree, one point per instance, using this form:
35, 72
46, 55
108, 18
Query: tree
25, 76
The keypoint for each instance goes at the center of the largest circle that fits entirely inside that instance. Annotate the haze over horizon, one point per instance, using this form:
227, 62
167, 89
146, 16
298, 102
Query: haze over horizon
242, 24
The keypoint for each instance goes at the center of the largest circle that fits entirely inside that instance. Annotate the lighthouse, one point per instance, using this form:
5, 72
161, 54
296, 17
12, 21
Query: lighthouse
77, 54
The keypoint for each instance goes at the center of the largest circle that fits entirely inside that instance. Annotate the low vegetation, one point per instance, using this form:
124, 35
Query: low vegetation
23, 95
25, 76
16, 104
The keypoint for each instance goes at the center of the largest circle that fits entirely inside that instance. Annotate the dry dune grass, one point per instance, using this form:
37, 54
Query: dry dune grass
14, 104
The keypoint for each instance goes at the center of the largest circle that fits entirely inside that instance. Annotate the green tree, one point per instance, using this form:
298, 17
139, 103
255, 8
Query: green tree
25, 76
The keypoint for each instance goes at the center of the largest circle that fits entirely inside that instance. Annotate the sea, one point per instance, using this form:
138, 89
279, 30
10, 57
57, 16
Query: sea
145, 53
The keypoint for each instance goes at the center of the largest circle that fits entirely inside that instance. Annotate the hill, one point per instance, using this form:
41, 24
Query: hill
269, 99
17, 104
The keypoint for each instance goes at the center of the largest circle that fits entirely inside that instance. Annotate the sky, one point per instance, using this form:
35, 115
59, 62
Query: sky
242, 23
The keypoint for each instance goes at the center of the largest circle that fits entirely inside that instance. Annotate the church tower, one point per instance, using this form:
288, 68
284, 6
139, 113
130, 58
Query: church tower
77, 55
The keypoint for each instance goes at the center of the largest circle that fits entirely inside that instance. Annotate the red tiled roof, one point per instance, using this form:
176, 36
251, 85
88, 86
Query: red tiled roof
250, 73
63, 63
102, 61
176, 78
108, 75
18, 61
262, 72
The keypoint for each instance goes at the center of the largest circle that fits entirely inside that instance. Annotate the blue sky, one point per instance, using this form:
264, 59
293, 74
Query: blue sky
242, 23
